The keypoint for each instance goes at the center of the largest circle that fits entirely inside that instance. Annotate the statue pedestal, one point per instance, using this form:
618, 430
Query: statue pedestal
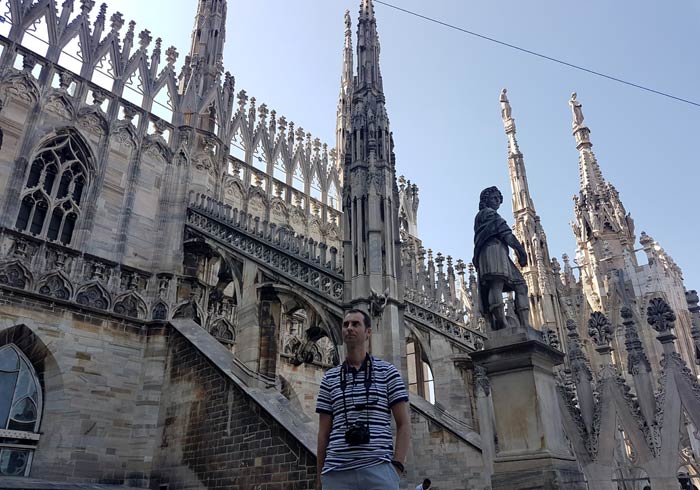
532, 451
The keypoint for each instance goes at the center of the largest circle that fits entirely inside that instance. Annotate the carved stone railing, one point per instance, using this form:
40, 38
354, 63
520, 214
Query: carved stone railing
303, 260
310, 263
445, 326
441, 308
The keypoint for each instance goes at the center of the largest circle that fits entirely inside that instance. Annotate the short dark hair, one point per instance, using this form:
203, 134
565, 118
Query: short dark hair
426, 482
365, 317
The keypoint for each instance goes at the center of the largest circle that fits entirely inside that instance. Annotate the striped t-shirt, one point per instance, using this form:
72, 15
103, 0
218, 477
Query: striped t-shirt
366, 399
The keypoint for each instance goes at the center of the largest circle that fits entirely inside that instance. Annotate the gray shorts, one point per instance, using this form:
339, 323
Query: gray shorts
378, 477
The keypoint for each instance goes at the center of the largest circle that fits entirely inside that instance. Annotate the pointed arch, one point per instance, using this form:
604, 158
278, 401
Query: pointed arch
316, 228
315, 188
257, 202
222, 330
279, 168
23, 412
56, 285
156, 146
20, 86
260, 154
15, 274
131, 305
320, 318
210, 114
291, 346
125, 134
60, 105
60, 173
93, 120
333, 195
420, 374
237, 144
159, 311
21, 405
94, 295
278, 212
164, 102
134, 87
71, 56
234, 194
298, 174
38, 378
104, 72
36, 36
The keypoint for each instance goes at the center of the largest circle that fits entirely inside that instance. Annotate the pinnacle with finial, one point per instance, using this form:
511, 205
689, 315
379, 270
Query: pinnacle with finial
367, 8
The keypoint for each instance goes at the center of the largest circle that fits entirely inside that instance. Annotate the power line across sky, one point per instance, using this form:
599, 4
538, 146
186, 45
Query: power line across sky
535, 53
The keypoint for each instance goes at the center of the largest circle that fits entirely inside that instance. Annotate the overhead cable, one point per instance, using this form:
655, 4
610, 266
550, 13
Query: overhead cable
535, 53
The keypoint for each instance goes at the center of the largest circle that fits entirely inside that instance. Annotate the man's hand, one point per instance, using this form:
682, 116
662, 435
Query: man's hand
325, 423
403, 432
522, 256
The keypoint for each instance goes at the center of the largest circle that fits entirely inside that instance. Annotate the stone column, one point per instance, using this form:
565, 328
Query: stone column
484, 410
270, 317
248, 333
532, 451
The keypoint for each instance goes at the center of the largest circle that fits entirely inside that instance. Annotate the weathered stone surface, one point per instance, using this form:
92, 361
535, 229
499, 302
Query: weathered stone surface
532, 451
216, 436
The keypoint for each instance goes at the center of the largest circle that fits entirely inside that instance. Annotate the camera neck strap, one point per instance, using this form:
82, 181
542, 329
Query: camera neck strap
344, 383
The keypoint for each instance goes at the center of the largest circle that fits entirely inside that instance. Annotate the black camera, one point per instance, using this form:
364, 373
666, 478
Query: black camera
357, 433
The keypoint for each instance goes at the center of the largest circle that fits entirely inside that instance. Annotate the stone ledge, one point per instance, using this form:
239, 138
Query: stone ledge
19, 483
449, 423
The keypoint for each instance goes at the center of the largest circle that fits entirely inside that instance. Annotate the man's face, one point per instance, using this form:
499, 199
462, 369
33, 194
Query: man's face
494, 202
354, 331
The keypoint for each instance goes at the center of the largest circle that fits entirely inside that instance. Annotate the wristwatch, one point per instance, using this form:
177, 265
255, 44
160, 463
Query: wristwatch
398, 465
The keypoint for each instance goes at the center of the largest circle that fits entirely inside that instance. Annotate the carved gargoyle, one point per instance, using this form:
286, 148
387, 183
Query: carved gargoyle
377, 303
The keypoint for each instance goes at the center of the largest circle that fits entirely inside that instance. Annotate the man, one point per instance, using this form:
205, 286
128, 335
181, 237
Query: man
355, 403
425, 485
497, 273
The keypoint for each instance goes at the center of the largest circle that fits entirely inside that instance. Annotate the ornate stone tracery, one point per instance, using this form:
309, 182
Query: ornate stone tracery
57, 181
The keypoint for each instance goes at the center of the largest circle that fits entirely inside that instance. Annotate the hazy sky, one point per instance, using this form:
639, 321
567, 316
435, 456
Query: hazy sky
442, 90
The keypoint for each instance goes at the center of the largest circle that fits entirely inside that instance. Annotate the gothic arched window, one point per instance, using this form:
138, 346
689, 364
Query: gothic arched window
420, 376
56, 185
20, 411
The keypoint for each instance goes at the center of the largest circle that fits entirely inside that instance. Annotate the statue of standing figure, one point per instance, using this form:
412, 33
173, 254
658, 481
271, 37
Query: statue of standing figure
497, 273
576, 110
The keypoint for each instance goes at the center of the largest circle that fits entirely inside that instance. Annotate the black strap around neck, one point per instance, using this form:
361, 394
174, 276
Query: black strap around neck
344, 383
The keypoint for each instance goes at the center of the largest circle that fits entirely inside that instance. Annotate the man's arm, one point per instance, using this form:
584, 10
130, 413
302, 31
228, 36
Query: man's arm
325, 422
403, 430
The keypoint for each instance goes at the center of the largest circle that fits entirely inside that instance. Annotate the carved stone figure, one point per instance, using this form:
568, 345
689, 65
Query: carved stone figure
576, 110
506, 110
497, 273
378, 303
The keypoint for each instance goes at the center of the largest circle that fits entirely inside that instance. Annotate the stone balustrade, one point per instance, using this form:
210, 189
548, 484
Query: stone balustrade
304, 260
313, 264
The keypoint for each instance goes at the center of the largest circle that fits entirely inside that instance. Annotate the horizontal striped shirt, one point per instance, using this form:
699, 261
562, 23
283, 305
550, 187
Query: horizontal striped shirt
366, 399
